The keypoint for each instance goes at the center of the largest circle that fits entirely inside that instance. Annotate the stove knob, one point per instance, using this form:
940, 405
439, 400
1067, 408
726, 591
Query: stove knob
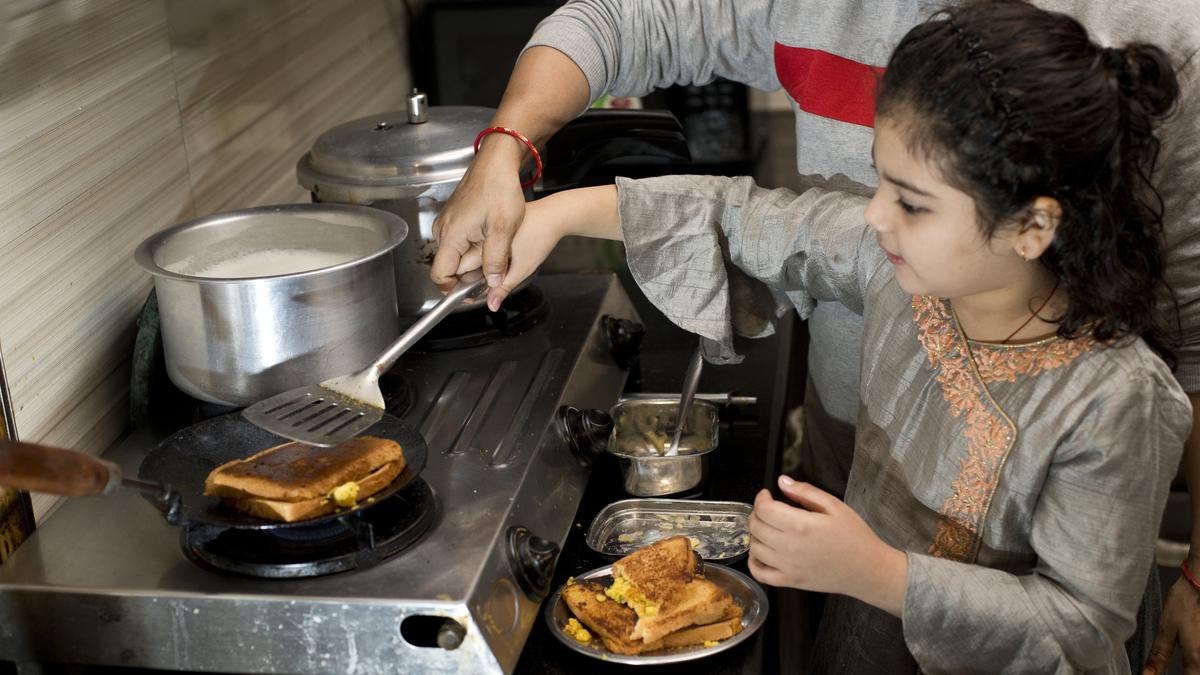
624, 339
586, 432
532, 561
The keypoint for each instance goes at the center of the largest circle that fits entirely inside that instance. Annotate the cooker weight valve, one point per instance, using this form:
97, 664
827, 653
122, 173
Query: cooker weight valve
624, 339
532, 561
585, 432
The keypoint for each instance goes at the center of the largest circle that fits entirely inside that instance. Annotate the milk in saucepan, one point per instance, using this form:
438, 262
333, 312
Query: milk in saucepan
266, 263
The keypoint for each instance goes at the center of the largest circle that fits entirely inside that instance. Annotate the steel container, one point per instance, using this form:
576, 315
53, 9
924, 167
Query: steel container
642, 430
407, 162
261, 300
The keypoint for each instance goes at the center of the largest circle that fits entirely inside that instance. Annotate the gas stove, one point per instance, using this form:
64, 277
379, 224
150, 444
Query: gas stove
454, 571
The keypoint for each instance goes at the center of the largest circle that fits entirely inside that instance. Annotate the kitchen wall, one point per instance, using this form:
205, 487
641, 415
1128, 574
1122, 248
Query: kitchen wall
122, 117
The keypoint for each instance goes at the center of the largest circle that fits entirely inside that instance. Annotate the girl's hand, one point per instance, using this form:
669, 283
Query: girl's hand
824, 546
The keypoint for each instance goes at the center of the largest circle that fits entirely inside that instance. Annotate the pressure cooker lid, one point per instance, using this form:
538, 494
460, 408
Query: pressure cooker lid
403, 148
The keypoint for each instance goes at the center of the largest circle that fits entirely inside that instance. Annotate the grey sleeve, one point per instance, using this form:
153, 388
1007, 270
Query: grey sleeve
720, 256
631, 47
1093, 531
1177, 177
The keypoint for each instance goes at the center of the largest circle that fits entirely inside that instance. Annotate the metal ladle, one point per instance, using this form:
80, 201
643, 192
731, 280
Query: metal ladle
690, 380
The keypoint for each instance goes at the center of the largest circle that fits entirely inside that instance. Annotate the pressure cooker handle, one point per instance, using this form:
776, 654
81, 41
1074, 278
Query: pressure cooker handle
584, 145
39, 468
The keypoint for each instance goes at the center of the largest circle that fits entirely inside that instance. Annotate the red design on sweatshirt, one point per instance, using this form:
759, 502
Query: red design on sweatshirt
827, 85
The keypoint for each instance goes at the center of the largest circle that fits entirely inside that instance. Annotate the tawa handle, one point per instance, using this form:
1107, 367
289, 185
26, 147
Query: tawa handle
40, 468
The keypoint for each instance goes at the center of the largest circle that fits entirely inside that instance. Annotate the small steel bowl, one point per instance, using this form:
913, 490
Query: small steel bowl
642, 431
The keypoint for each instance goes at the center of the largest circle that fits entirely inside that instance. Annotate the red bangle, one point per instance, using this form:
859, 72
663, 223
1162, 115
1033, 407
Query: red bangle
1187, 572
537, 157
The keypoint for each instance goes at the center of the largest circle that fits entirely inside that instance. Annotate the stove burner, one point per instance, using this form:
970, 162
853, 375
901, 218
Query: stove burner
520, 312
397, 392
360, 540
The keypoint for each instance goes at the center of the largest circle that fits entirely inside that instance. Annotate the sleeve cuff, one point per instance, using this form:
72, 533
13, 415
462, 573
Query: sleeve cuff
579, 45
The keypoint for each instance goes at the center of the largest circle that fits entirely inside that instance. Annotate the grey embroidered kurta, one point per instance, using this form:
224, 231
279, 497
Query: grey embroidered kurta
1025, 483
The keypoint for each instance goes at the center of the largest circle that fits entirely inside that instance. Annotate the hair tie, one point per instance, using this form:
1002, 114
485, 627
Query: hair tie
1113, 58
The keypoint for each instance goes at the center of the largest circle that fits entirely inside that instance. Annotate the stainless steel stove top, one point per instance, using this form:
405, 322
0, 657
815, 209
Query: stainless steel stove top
104, 580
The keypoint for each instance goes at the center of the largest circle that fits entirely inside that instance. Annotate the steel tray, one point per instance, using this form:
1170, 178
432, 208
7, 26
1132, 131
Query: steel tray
720, 531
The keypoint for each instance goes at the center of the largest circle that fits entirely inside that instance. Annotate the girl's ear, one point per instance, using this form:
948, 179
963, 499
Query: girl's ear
1037, 232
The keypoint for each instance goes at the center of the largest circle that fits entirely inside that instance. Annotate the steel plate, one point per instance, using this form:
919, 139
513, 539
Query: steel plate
745, 591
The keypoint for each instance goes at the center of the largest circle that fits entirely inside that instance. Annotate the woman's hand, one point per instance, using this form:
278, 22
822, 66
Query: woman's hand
482, 215
1178, 628
824, 546
588, 212
536, 237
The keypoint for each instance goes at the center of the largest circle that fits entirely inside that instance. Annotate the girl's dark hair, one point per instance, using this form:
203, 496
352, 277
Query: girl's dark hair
1013, 102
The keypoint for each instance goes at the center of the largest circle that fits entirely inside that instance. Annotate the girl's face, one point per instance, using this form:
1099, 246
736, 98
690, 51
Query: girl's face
929, 229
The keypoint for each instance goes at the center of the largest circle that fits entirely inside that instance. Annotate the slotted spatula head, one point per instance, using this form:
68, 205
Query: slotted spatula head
325, 414
340, 408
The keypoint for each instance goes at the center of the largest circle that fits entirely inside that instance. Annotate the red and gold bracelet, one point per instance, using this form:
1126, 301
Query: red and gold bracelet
537, 157
1187, 572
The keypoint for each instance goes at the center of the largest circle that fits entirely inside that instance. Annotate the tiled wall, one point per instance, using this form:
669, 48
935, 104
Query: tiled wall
122, 117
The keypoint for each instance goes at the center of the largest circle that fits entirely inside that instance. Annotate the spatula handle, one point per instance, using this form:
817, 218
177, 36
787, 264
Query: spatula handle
470, 286
40, 468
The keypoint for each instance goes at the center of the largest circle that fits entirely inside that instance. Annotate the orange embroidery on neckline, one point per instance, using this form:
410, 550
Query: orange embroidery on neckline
990, 434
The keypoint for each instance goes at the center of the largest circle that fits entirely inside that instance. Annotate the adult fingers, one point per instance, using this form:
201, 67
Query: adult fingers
1162, 647
446, 264
496, 250
470, 261
809, 496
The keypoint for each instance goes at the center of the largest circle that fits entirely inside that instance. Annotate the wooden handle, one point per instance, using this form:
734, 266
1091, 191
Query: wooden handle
39, 468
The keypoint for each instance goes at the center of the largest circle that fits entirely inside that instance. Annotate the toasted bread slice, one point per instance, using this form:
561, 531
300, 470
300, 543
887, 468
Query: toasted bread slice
307, 509
664, 584
698, 635
295, 472
613, 622
701, 602
661, 569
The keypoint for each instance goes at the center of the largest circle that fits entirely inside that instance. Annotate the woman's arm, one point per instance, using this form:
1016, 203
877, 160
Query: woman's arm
583, 50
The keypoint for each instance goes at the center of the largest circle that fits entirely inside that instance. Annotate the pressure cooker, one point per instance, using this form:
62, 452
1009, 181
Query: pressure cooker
409, 162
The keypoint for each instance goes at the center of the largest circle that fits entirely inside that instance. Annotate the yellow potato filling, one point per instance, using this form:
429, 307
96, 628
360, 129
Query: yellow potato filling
576, 630
345, 495
623, 592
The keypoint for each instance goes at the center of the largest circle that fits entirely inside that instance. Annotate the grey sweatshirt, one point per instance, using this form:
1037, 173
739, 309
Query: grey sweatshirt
822, 52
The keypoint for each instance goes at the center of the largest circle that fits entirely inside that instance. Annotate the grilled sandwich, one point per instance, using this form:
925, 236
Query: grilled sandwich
658, 599
295, 481
613, 622
663, 583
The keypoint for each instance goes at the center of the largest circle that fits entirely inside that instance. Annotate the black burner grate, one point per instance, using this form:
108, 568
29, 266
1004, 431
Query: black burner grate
361, 539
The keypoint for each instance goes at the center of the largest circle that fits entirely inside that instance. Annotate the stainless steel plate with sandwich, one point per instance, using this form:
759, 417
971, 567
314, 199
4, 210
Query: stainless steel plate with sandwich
744, 591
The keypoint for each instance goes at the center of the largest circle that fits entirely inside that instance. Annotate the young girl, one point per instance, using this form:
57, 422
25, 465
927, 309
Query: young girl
1017, 430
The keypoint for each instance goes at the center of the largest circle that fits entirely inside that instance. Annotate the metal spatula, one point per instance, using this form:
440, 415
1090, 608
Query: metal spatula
338, 409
